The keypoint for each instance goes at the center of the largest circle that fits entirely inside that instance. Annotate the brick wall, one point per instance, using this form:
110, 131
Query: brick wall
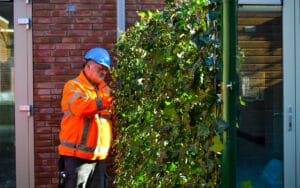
62, 33
132, 6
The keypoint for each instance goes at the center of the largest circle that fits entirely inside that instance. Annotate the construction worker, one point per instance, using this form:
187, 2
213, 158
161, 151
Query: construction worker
85, 135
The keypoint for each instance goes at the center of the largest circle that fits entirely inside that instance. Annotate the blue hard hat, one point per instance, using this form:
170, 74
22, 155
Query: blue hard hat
99, 55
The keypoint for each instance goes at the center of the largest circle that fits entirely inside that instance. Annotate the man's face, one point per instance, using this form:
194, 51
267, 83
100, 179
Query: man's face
96, 72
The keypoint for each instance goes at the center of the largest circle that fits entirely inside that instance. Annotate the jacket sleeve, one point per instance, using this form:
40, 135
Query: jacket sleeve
77, 103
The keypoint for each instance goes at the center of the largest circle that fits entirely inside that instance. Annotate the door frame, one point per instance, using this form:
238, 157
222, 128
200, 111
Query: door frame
297, 62
24, 132
291, 89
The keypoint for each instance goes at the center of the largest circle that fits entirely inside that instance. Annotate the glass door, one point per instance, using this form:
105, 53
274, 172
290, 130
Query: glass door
7, 103
260, 111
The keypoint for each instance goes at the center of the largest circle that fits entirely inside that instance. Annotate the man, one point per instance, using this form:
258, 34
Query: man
85, 135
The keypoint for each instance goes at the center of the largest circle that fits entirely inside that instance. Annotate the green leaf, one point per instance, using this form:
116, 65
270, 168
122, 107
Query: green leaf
242, 102
141, 177
142, 14
217, 145
246, 184
168, 103
172, 167
221, 125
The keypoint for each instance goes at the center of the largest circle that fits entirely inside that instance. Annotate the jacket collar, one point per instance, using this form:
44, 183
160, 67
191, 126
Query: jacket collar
82, 79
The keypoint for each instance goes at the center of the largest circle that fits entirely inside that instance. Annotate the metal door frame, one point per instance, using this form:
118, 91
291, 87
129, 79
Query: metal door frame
24, 132
297, 50
291, 89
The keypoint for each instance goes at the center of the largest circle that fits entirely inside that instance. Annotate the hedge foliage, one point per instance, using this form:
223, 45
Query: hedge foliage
168, 130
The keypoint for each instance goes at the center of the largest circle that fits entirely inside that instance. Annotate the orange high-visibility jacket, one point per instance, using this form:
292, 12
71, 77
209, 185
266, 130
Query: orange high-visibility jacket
85, 128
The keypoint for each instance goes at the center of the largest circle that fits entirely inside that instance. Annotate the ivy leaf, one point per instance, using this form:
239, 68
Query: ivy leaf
173, 166
217, 145
209, 61
142, 14
242, 102
169, 112
200, 2
246, 184
221, 125
148, 116
141, 177
197, 170
168, 103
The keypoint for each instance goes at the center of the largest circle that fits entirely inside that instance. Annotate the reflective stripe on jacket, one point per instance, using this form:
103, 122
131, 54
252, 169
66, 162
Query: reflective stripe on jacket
85, 128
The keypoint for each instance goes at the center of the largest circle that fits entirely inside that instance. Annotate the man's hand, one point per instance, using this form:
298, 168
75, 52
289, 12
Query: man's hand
106, 102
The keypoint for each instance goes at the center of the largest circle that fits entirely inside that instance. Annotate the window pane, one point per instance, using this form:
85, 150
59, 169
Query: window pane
7, 118
260, 132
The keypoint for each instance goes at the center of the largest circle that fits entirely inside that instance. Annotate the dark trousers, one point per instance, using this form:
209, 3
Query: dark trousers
80, 173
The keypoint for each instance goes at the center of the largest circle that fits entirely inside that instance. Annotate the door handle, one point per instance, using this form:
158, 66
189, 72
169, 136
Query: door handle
26, 108
290, 118
25, 21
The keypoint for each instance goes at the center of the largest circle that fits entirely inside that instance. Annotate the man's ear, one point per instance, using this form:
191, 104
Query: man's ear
88, 65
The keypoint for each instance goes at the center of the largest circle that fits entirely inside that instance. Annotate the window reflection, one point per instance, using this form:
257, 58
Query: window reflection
7, 118
260, 132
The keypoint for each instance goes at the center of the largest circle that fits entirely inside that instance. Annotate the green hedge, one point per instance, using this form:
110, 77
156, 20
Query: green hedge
168, 130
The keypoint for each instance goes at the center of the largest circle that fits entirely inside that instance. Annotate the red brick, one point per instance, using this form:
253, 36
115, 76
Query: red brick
55, 72
41, 13
45, 20
92, 40
43, 46
59, 13
41, 53
65, 46
55, 33
43, 59
97, 33
43, 143
71, 40
41, 40
88, 7
57, 1
60, 53
77, 33
86, 20
60, 7
82, 13
43, 6
82, 26
43, 92
66, 20
107, 7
